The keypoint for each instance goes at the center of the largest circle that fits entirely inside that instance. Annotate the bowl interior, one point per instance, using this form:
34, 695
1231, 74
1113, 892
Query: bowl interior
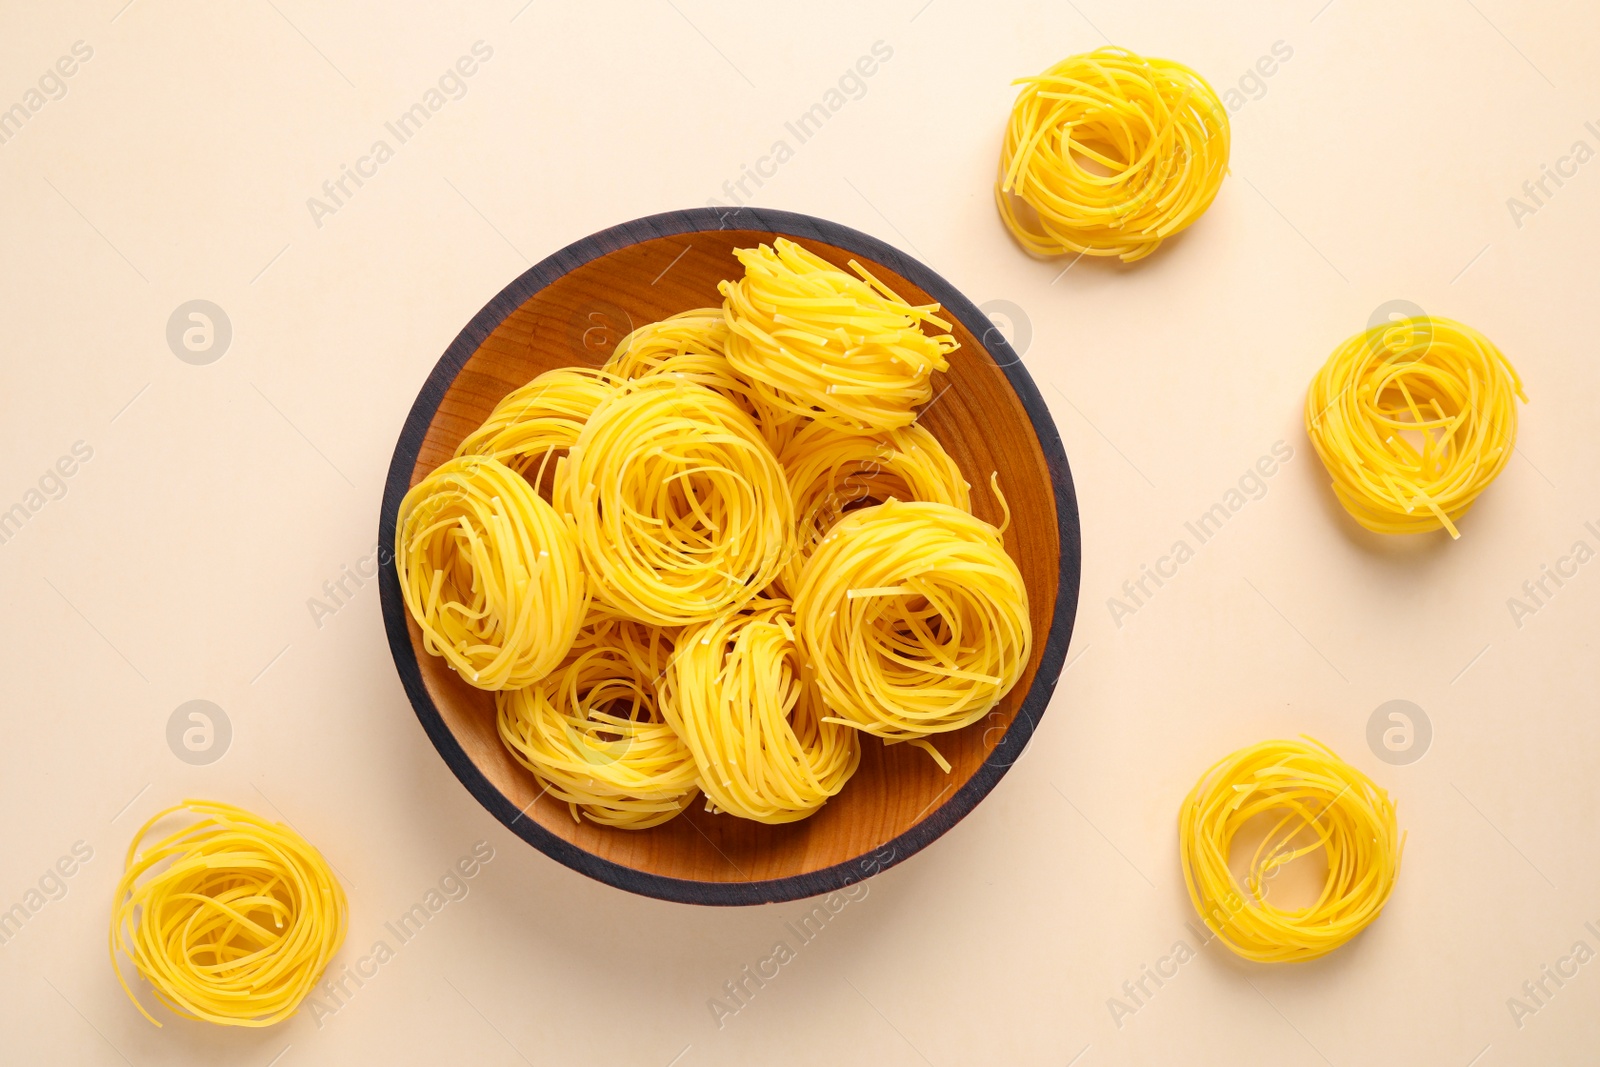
578, 319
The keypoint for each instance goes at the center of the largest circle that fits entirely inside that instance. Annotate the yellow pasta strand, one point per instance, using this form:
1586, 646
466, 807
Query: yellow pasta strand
817, 342
537, 422
232, 919
737, 694
1321, 804
914, 618
593, 736
1413, 419
692, 345
682, 511
490, 572
831, 473
1109, 153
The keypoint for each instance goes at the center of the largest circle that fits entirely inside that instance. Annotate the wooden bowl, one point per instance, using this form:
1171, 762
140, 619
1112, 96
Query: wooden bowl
572, 309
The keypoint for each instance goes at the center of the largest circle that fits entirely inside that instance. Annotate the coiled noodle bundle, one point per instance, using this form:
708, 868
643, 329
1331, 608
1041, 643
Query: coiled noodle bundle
1109, 153
818, 342
681, 509
592, 733
831, 472
737, 694
232, 919
1413, 420
1321, 803
914, 618
536, 421
692, 345
490, 572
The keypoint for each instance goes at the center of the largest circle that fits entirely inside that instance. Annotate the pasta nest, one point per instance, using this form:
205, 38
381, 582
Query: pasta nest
1413, 420
692, 346
914, 618
738, 695
232, 919
681, 509
490, 572
1320, 804
1109, 153
832, 473
539, 421
592, 732
817, 342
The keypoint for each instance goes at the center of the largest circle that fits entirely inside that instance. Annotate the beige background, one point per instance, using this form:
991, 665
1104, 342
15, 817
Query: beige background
1374, 164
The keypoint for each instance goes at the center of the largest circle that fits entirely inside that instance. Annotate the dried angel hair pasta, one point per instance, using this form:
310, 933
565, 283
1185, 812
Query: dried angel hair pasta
593, 735
1413, 420
737, 693
681, 508
232, 919
636, 629
490, 572
831, 473
817, 342
1321, 804
914, 618
692, 345
1109, 153
535, 422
